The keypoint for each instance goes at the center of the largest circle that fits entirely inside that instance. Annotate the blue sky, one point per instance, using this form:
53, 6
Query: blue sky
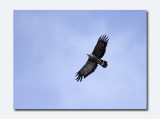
51, 46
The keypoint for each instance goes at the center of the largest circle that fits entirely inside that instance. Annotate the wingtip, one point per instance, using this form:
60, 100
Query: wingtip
104, 38
79, 77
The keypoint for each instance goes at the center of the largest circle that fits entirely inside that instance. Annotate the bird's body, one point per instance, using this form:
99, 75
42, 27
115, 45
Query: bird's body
94, 59
97, 60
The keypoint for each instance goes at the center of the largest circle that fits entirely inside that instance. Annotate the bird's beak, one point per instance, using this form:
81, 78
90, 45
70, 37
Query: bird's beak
87, 54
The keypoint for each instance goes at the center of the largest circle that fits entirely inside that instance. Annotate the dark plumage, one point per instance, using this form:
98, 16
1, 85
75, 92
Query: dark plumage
94, 59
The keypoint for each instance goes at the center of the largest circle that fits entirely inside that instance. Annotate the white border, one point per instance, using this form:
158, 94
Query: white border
6, 56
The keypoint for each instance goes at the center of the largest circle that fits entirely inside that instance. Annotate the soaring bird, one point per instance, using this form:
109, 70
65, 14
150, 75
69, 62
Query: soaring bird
94, 59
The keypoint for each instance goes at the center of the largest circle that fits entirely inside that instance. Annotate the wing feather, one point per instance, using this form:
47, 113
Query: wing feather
100, 47
86, 70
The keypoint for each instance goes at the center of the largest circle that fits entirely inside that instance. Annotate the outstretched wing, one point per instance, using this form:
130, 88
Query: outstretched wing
100, 47
87, 69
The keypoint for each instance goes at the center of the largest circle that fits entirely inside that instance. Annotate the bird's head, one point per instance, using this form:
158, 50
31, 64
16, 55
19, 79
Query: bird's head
88, 55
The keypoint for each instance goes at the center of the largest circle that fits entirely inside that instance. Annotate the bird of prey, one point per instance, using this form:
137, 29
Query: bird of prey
94, 59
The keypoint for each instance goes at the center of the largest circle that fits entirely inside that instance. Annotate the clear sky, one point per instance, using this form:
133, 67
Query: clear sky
51, 46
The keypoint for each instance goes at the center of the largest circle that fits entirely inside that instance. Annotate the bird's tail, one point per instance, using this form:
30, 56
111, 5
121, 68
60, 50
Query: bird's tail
103, 63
